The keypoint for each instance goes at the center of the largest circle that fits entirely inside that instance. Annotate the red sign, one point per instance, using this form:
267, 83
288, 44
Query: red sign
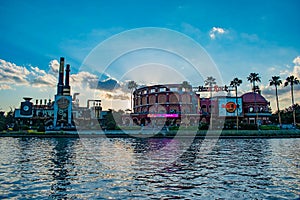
230, 107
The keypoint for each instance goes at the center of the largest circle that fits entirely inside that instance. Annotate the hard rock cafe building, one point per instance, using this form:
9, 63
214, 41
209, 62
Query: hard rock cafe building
173, 105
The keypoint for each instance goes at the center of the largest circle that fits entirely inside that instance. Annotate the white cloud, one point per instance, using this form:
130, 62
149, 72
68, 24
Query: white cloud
284, 93
295, 70
215, 31
53, 67
5, 87
12, 75
296, 61
83, 80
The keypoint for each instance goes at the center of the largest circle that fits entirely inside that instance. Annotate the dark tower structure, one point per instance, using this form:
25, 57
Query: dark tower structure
67, 88
60, 85
63, 98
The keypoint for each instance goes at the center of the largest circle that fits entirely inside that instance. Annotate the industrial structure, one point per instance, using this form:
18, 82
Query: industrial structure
64, 113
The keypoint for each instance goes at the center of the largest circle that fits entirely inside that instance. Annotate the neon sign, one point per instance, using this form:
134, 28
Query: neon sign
163, 115
230, 107
214, 88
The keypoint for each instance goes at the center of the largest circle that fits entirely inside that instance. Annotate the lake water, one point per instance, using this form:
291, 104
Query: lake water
103, 168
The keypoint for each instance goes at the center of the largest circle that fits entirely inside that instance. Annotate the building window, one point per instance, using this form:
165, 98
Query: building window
144, 100
173, 98
185, 98
174, 89
162, 99
162, 89
152, 90
152, 99
251, 109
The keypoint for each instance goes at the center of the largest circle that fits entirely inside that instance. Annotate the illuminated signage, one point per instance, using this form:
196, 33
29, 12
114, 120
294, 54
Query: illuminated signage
229, 106
215, 88
163, 115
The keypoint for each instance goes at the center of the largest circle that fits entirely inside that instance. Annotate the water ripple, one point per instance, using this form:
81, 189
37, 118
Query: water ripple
41, 168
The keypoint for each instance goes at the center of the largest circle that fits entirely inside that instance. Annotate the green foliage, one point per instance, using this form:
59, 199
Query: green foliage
287, 115
110, 125
25, 127
41, 128
203, 126
113, 120
248, 126
173, 128
269, 127
2, 125
16, 127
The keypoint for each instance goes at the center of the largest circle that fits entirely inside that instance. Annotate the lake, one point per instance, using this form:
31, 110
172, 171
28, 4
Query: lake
128, 168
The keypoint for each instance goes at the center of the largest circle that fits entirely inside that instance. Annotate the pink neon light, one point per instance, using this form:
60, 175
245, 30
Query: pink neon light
163, 115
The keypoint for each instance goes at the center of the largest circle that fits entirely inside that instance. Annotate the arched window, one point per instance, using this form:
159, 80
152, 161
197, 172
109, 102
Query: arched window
162, 98
152, 99
173, 98
144, 100
251, 109
185, 98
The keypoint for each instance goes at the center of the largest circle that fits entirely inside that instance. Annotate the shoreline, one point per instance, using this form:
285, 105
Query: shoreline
225, 134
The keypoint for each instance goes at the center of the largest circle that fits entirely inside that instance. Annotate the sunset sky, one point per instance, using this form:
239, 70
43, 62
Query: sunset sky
108, 43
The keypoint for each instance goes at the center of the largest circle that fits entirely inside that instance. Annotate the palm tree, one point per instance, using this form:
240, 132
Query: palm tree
186, 86
235, 83
253, 77
131, 86
210, 81
291, 80
276, 82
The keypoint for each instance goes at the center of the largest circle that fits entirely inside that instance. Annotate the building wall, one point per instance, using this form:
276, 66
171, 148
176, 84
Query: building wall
171, 98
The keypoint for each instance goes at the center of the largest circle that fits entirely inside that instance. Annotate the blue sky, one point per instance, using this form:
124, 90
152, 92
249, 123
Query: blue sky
240, 36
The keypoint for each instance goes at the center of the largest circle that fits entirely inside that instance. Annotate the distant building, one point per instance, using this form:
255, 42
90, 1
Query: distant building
255, 107
63, 112
171, 104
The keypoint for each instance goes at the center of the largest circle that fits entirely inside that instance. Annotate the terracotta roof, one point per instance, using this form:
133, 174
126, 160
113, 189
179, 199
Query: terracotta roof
250, 98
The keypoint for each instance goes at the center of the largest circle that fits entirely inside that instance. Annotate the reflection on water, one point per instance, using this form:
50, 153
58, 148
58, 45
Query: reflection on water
35, 168
61, 167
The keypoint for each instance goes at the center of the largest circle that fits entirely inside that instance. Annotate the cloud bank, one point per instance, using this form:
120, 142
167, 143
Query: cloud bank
12, 75
284, 93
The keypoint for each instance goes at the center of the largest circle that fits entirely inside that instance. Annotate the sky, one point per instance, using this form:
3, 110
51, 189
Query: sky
108, 43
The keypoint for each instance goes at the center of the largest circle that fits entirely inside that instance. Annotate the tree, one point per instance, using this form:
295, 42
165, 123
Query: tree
253, 77
2, 121
186, 86
276, 82
131, 86
210, 81
291, 80
235, 83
